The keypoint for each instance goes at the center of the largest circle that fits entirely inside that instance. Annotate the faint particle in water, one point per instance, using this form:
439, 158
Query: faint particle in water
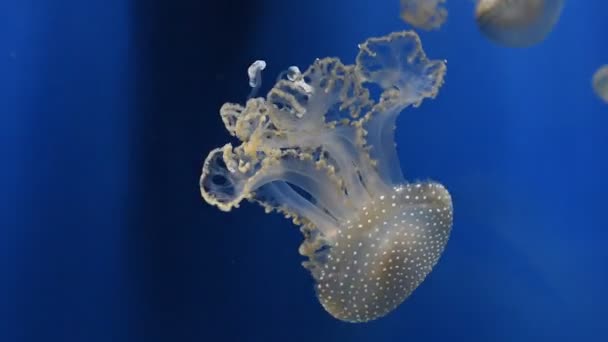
321, 150
600, 82
517, 23
424, 14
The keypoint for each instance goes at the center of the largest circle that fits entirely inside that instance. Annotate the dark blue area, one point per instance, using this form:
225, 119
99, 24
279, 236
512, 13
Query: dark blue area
109, 108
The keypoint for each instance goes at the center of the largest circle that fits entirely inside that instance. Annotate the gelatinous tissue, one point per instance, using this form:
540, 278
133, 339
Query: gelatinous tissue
424, 14
600, 82
517, 23
320, 149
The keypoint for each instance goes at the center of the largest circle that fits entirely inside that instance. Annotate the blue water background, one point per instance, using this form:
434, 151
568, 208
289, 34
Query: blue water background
109, 107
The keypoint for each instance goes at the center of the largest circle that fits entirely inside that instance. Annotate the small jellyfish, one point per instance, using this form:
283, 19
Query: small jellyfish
424, 14
320, 149
517, 23
600, 83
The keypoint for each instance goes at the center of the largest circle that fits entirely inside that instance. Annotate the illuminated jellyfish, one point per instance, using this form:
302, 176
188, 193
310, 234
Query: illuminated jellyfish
600, 83
517, 23
424, 14
321, 151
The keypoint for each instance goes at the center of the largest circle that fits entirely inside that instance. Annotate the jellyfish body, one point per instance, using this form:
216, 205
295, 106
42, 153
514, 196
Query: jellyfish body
517, 23
321, 151
424, 14
600, 83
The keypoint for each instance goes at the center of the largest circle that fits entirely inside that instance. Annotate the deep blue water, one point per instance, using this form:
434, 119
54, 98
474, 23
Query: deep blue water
109, 107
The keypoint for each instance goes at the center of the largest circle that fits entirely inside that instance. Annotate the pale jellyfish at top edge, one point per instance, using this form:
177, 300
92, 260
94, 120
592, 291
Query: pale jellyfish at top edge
517, 23
424, 14
600, 82
320, 149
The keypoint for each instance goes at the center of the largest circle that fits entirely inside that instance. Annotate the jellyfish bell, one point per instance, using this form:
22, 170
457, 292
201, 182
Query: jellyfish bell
517, 23
380, 258
424, 14
320, 149
600, 83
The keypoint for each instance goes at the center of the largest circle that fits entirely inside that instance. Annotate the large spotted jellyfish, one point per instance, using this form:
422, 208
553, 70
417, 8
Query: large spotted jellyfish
321, 150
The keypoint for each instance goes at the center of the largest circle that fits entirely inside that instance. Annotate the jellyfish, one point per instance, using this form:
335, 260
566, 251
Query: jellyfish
424, 14
517, 23
600, 82
319, 148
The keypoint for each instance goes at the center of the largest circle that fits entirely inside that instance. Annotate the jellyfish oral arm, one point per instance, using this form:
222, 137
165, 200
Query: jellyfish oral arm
255, 76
